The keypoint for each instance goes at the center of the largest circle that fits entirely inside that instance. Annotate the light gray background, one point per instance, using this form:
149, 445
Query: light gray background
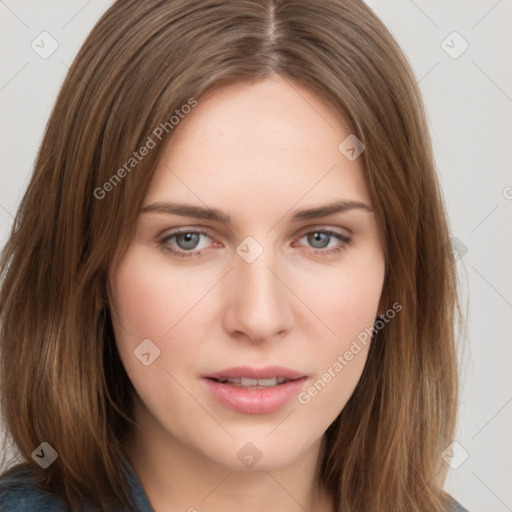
469, 105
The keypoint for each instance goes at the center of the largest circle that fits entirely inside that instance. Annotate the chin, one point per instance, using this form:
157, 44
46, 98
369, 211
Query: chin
258, 452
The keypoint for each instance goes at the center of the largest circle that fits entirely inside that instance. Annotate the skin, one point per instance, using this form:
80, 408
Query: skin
259, 152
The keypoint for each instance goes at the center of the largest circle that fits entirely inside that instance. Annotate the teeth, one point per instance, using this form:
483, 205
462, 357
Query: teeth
259, 382
254, 383
248, 382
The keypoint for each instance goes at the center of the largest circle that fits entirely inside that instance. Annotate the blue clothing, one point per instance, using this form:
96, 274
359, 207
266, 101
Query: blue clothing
457, 507
19, 494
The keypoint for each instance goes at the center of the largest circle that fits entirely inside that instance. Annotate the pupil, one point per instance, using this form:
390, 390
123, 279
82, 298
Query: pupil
187, 240
319, 240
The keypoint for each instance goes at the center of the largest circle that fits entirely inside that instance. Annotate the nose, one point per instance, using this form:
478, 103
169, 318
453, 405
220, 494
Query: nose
258, 305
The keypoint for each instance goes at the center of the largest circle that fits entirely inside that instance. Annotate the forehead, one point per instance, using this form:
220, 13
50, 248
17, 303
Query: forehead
251, 145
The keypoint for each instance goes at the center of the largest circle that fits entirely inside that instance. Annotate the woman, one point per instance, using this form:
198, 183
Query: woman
230, 283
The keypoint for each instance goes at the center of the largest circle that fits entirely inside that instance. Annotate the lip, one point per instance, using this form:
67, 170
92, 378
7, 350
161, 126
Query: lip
255, 401
250, 372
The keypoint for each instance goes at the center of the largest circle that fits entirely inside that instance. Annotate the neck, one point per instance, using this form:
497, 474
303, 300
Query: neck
177, 478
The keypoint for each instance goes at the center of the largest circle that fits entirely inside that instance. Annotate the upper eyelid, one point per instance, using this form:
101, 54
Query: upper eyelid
179, 231
206, 231
325, 228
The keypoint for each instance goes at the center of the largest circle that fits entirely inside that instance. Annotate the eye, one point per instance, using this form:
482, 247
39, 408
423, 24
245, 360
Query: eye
325, 242
189, 243
185, 243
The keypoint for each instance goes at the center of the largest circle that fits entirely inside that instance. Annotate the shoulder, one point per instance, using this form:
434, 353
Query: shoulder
19, 493
456, 507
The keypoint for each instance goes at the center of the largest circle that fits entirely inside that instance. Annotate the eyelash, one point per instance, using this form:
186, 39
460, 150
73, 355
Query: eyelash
163, 243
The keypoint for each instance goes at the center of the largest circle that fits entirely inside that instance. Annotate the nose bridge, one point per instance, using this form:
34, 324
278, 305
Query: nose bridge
259, 302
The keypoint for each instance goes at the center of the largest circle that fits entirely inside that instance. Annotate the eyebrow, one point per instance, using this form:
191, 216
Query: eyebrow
216, 215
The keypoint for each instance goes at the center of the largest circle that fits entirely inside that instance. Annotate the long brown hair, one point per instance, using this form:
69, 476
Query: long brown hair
141, 62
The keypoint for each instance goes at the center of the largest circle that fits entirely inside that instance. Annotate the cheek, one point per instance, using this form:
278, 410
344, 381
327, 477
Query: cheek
150, 298
345, 297
353, 307
149, 303
347, 302
341, 357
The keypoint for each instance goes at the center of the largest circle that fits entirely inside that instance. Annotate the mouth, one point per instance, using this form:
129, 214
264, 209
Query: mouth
254, 391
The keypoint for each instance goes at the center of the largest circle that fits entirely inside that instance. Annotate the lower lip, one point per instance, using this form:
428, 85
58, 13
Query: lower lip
255, 401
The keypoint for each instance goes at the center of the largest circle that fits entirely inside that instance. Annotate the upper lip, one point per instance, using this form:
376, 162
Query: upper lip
267, 372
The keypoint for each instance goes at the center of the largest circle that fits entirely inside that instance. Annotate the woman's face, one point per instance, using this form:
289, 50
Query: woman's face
260, 283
